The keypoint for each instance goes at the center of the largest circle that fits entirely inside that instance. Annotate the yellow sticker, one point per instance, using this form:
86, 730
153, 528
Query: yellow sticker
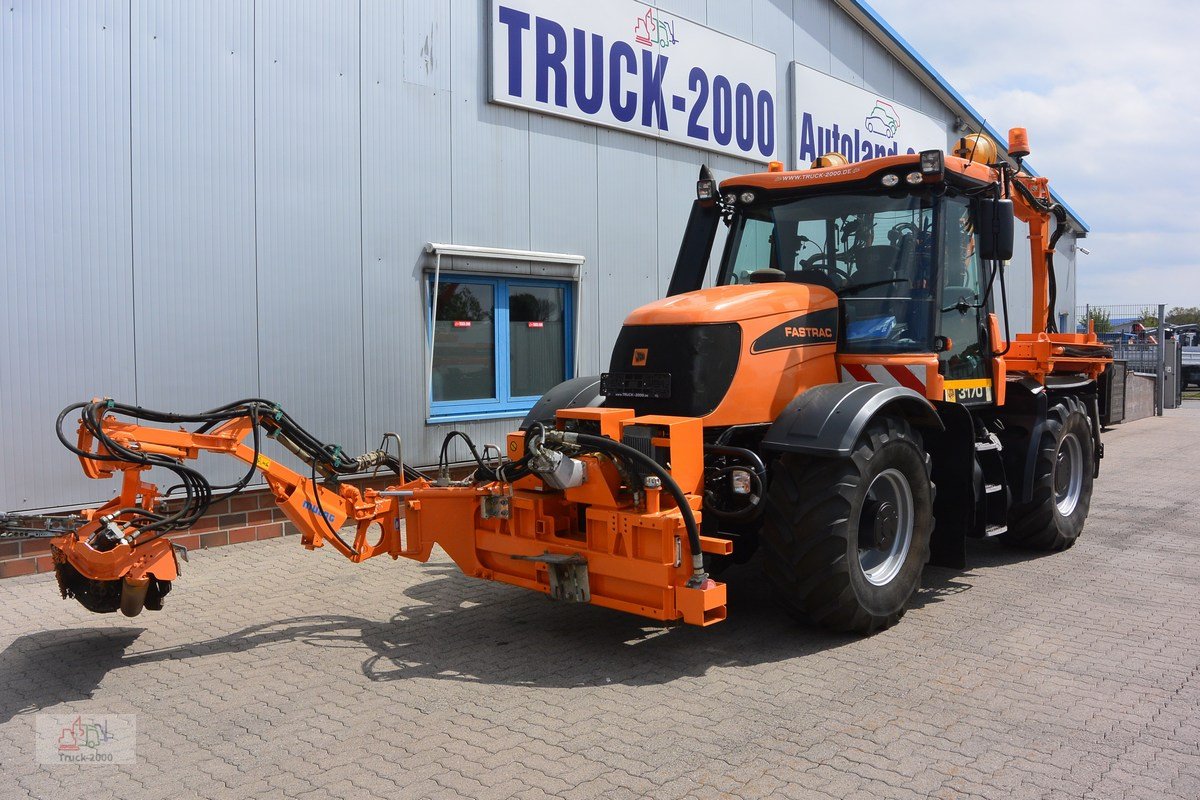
262, 462
974, 390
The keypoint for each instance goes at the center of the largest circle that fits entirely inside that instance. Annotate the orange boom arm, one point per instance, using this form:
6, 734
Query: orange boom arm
600, 540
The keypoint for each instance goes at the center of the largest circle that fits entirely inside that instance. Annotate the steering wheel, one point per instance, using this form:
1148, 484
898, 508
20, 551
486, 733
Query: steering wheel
820, 261
901, 230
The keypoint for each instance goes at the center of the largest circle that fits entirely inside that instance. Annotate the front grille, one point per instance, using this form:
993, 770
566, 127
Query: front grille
699, 362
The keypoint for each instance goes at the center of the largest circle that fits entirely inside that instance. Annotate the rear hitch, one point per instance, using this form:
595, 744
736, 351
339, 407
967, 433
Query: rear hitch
568, 576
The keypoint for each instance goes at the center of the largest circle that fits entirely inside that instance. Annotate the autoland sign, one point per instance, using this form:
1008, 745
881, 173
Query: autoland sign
832, 115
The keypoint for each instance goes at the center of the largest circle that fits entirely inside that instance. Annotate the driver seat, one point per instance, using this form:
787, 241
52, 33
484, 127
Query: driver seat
876, 263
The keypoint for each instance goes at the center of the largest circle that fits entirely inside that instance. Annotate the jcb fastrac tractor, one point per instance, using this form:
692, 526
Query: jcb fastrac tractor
842, 403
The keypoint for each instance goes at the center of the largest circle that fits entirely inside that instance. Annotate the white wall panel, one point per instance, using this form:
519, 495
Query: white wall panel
773, 31
878, 69
309, 225
563, 213
677, 169
695, 10
489, 145
846, 46
905, 87
734, 17
65, 251
406, 201
627, 265
193, 202
810, 33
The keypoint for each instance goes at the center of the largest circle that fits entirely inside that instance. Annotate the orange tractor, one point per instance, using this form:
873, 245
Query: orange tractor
848, 361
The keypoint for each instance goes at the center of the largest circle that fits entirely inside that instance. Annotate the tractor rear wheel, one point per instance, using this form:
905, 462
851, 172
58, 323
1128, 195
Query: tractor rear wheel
845, 539
1062, 483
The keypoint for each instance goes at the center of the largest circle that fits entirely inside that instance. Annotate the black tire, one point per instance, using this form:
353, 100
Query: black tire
811, 530
1041, 524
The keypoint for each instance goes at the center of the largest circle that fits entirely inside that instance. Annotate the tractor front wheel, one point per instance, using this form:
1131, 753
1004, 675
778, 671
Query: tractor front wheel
845, 539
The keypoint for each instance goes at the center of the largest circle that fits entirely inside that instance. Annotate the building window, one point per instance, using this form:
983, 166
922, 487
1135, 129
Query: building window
498, 344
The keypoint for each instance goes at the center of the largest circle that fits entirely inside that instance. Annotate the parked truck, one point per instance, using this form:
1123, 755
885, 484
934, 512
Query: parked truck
843, 403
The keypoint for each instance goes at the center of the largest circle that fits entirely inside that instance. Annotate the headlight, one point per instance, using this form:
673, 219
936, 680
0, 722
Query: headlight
914, 178
730, 199
747, 197
890, 180
931, 162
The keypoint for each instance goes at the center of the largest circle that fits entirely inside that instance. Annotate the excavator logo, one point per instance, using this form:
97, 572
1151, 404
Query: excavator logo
883, 119
640, 355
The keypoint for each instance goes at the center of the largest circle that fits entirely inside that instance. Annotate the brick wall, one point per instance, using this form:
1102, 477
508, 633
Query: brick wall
247, 517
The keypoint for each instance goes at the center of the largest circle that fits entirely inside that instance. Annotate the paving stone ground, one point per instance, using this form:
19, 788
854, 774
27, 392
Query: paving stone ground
278, 673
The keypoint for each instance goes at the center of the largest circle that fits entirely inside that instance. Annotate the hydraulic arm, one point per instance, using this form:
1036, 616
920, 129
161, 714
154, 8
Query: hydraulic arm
573, 512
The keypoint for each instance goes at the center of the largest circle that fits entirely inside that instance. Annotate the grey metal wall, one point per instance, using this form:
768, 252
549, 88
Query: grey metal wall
212, 199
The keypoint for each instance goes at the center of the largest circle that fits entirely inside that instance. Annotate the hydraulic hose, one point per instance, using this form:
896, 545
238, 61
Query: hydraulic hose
607, 445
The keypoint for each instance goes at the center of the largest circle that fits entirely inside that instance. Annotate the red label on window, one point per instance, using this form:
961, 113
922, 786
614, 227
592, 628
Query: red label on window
537, 324
462, 323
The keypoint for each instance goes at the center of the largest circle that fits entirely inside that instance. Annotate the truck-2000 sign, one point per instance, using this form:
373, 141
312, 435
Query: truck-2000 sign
627, 65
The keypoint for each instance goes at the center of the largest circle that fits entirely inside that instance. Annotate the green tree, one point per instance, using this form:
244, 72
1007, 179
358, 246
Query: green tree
456, 302
1100, 317
1149, 317
1184, 315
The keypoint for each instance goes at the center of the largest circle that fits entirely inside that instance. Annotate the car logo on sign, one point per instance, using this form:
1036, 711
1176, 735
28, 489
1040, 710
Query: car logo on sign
640, 355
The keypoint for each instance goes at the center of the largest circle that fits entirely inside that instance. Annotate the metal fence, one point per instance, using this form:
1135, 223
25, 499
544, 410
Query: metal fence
1138, 333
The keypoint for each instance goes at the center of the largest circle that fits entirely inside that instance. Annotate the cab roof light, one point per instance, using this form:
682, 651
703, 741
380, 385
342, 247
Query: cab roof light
932, 162
1018, 143
706, 189
775, 166
832, 159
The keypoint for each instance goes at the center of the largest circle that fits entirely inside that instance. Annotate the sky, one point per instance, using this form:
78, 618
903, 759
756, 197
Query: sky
1110, 94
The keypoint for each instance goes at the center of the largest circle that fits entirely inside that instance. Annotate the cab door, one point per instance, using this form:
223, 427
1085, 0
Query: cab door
964, 360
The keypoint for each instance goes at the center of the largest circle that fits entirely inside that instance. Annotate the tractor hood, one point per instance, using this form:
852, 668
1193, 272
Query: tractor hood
733, 304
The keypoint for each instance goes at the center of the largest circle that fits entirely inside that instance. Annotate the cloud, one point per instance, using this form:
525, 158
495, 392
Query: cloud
1111, 100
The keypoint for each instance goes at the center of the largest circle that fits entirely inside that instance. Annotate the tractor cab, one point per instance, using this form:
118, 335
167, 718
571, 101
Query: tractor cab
897, 239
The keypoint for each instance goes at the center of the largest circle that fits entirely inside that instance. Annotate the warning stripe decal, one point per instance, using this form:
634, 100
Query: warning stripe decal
910, 376
907, 377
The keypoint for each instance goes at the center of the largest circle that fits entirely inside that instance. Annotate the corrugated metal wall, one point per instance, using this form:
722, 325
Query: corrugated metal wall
205, 200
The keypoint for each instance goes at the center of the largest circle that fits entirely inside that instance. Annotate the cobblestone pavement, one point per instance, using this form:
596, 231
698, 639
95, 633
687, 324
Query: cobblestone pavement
280, 673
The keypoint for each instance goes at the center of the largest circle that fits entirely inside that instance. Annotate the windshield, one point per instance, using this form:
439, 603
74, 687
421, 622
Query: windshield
874, 250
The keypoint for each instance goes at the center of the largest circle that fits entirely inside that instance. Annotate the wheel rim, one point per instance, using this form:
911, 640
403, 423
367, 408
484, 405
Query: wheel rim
885, 527
1068, 474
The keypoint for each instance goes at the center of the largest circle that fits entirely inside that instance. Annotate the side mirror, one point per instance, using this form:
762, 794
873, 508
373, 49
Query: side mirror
994, 222
706, 187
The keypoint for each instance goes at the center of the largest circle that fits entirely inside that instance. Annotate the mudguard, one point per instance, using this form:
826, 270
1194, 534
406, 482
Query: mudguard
574, 393
827, 420
1024, 416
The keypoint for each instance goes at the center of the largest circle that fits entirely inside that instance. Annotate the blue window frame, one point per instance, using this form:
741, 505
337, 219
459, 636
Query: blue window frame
498, 343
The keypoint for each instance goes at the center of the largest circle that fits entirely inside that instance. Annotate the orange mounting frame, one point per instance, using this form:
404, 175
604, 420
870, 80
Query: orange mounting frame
634, 559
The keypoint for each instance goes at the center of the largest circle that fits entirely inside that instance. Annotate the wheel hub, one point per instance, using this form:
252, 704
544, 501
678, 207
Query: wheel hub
887, 520
885, 527
1068, 474
883, 523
